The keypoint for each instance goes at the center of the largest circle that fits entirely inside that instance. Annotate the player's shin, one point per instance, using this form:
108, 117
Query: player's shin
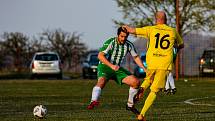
130, 104
95, 96
141, 90
132, 93
149, 100
96, 93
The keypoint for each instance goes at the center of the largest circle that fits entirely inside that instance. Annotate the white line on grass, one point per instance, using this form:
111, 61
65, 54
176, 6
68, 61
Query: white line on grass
189, 101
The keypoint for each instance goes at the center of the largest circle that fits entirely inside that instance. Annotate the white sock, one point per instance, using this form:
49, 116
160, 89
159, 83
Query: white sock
171, 81
96, 93
167, 83
132, 93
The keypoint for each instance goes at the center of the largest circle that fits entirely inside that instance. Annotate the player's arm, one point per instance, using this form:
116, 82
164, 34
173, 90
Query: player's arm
139, 62
103, 59
179, 44
140, 32
136, 57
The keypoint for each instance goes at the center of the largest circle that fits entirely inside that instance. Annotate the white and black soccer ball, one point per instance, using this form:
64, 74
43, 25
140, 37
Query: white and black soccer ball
40, 111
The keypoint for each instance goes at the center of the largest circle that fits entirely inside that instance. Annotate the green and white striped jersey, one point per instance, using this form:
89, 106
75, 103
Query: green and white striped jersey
115, 52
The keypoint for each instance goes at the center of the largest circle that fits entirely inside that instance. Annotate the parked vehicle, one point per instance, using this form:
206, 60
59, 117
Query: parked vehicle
89, 66
46, 63
139, 72
207, 62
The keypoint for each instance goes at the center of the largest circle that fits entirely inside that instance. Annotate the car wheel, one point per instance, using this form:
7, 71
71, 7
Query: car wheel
33, 76
84, 75
60, 76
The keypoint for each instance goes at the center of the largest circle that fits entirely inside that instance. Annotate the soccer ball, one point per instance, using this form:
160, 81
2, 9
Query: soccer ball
40, 111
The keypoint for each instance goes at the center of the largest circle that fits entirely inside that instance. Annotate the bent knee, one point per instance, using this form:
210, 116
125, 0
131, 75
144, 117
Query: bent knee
101, 82
155, 90
135, 82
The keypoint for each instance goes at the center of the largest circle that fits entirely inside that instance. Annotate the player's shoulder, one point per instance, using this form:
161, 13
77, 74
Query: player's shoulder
147, 27
129, 43
110, 40
164, 27
170, 28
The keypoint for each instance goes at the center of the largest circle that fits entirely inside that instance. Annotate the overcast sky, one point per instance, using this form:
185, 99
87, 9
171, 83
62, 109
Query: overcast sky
93, 18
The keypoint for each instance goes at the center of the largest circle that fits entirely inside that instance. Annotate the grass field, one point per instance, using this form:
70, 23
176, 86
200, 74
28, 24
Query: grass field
66, 100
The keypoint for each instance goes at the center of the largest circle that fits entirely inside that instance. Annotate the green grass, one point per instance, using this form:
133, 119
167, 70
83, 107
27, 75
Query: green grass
66, 100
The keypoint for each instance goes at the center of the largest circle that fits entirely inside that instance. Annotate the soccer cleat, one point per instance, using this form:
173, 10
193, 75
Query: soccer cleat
173, 91
132, 109
92, 105
141, 118
167, 91
139, 95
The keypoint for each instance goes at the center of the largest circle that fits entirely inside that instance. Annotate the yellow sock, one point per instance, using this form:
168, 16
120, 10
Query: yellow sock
149, 100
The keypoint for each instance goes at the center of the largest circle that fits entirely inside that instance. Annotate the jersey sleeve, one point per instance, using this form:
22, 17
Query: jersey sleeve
107, 46
142, 32
132, 50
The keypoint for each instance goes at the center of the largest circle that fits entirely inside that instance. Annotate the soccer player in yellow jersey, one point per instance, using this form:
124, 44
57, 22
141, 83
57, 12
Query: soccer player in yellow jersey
159, 57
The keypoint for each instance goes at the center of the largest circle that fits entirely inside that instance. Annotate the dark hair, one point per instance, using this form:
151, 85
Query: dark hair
122, 29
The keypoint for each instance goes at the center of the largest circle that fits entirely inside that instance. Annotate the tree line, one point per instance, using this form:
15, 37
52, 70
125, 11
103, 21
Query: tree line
194, 14
17, 49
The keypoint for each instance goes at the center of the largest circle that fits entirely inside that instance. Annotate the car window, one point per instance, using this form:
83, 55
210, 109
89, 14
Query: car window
46, 57
209, 54
94, 59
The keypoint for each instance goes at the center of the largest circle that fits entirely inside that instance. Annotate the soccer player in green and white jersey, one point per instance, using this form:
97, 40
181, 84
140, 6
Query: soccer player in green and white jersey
111, 55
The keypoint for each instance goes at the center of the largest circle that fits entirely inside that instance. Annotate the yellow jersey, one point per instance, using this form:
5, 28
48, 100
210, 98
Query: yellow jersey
161, 39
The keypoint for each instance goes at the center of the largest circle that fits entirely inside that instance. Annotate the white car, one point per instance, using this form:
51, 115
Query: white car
46, 63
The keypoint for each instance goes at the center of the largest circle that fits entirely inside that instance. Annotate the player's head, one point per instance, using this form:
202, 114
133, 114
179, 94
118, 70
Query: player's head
160, 17
122, 35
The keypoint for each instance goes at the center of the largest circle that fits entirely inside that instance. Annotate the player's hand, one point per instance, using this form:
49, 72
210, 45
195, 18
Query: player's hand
125, 26
129, 29
145, 70
115, 67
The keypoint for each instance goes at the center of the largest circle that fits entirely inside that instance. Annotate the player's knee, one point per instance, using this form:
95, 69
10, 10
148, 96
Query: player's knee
136, 83
155, 90
101, 82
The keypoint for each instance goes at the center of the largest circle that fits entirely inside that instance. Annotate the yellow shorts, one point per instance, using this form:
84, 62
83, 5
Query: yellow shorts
155, 78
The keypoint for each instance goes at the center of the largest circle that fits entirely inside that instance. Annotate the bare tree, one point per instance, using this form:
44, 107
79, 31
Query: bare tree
32, 46
14, 44
194, 14
1, 54
66, 44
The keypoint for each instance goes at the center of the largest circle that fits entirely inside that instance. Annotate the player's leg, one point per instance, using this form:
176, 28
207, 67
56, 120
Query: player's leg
157, 84
123, 76
96, 92
104, 73
134, 83
167, 86
172, 83
148, 102
146, 83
